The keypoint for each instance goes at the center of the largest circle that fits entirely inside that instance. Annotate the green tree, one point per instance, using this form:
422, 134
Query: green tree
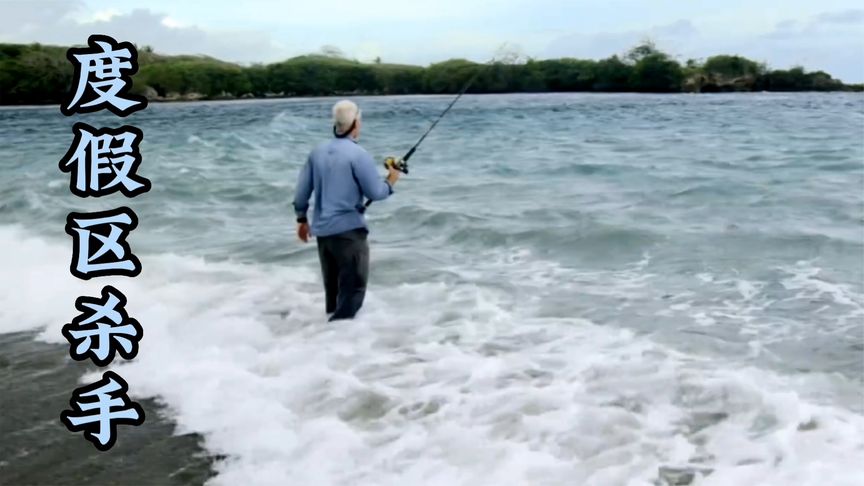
732, 66
34, 73
643, 50
332, 51
656, 73
567, 74
797, 79
259, 81
612, 74
398, 79
450, 76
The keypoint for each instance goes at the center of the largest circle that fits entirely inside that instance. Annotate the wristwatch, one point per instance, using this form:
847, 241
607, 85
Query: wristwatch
302, 220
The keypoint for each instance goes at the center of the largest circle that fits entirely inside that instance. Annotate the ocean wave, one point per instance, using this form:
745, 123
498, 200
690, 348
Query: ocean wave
725, 189
595, 169
475, 389
539, 312
848, 166
422, 217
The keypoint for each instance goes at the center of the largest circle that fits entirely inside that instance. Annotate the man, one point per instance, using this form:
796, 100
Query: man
340, 173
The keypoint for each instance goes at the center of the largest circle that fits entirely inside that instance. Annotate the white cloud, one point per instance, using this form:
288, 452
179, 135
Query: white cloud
424, 32
171, 23
354, 13
837, 24
103, 15
830, 41
142, 27
670, 37
851, 16
29, 20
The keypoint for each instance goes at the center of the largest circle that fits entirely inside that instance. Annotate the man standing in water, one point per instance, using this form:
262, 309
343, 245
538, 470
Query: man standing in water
340, 173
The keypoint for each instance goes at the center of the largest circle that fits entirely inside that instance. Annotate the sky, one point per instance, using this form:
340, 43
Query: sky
819, 35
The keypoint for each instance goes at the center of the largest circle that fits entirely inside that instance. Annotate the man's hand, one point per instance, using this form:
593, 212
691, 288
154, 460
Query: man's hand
393, 174
303, 232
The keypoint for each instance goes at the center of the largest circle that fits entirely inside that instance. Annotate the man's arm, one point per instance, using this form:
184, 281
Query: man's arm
304, 189
371, 184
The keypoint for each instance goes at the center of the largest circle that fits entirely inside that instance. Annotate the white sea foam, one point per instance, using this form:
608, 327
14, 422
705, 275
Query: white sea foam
195, 139
435, 384
806, 279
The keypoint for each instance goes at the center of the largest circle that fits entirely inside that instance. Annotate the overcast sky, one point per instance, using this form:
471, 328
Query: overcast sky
823, 34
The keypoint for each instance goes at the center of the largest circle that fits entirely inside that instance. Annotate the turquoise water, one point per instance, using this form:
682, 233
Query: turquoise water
566, 288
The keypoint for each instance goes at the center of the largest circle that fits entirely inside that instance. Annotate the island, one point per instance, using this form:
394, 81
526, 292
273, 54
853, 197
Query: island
32, 74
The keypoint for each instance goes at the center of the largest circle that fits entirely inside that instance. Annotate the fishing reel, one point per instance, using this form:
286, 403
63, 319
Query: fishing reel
398, 164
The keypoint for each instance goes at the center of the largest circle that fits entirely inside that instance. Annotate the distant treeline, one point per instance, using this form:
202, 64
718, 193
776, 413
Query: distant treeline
35, 74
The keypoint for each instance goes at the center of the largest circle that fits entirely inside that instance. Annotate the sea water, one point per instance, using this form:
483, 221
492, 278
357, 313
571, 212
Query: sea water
566, 289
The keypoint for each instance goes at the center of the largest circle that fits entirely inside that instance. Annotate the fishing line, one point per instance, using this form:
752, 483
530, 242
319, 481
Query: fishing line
402, 164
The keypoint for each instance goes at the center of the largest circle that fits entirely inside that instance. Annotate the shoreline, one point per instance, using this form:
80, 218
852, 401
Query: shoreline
40, 74
37, 448
181, 100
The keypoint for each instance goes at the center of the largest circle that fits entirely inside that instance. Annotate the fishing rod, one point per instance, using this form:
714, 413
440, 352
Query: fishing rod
402, 164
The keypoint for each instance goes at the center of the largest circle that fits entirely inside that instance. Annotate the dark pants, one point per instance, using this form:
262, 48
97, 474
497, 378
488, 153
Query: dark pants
345, 266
